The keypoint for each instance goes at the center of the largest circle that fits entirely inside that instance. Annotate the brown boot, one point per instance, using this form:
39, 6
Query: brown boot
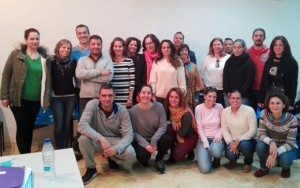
286, 173
260, 173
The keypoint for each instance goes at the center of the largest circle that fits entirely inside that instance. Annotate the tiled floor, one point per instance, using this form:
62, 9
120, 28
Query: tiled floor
184, 174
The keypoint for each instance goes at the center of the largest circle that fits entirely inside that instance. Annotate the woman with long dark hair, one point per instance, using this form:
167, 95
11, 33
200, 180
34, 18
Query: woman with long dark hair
150, 49
133, 47
149, 125
182, 126
167, 71
280, 72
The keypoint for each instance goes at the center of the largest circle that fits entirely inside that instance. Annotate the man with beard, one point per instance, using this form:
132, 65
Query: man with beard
93, 70
228, 46
259, 54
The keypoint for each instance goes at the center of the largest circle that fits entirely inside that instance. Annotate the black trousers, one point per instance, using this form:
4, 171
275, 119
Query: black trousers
163, 145
25, 117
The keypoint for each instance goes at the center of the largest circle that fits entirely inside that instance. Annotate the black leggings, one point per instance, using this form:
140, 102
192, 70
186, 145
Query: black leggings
163, 145
25, 117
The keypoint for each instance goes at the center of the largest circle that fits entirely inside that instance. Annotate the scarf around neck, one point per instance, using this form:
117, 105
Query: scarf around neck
177, 113
149, 61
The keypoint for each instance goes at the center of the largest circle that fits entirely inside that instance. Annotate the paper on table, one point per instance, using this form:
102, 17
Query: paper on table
7, 163
28, 182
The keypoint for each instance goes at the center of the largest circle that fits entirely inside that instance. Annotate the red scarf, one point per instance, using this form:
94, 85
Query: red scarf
149, 61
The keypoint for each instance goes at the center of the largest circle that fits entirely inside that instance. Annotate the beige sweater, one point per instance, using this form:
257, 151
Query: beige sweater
164, 76
242, 126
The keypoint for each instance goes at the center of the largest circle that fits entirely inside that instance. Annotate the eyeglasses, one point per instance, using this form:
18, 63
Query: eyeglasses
149, 43
217, 63
235, 98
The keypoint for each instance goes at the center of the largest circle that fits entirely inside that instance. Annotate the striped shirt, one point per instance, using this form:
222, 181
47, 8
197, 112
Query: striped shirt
282, 132
123, 80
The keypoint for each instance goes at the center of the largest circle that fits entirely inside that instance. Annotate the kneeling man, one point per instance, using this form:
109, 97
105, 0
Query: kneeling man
105, 127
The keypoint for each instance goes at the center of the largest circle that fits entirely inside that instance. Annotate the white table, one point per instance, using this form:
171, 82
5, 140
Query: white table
67, 172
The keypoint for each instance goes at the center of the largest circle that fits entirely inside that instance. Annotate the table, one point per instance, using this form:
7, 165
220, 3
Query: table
67, 172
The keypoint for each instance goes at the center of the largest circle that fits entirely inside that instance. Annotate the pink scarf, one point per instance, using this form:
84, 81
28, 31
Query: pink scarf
149, 61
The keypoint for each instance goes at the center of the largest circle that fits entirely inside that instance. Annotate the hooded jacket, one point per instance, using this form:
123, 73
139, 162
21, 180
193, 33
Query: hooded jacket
14, 75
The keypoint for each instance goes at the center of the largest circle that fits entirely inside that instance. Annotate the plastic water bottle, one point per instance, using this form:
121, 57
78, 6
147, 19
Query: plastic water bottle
48, 159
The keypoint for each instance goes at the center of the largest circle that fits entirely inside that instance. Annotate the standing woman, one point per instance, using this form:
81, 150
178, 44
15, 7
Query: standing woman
182, 126
133, 47
150, 124
210, 143
280, 72
26, 86
150, 48
277, 136
192, 76
63, 91
212, 68
167, 72
238, 72
123, 78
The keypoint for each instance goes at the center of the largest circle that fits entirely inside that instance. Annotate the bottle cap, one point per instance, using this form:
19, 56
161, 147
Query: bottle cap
46, 140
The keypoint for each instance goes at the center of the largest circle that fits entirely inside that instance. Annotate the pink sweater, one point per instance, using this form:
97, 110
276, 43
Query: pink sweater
209, 122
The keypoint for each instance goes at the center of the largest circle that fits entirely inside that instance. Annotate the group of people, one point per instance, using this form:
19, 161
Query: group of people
134, 105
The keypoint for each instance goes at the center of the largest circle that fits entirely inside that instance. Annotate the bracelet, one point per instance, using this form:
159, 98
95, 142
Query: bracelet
130, 98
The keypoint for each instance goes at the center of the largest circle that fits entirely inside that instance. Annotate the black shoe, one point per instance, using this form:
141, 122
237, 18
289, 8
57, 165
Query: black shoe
89, 175
216, 163
113, 165
160, 167
171, 160
231, 165
145, 164
78, 157
190, 156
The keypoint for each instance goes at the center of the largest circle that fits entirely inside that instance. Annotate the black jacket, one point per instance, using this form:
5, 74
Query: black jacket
287, 76
238, 74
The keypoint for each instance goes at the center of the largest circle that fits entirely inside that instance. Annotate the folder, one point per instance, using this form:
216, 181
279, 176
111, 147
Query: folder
11, 176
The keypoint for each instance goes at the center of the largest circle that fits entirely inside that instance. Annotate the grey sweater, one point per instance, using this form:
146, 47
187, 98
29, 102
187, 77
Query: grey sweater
148, 124
94, 124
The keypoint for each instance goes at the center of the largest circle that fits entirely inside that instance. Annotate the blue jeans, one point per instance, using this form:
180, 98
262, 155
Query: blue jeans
285, 160
82, 104
246, 147
205, 155
62, 109
298, 143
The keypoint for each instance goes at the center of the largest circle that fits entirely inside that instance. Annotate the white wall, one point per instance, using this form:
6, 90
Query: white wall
199, 20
